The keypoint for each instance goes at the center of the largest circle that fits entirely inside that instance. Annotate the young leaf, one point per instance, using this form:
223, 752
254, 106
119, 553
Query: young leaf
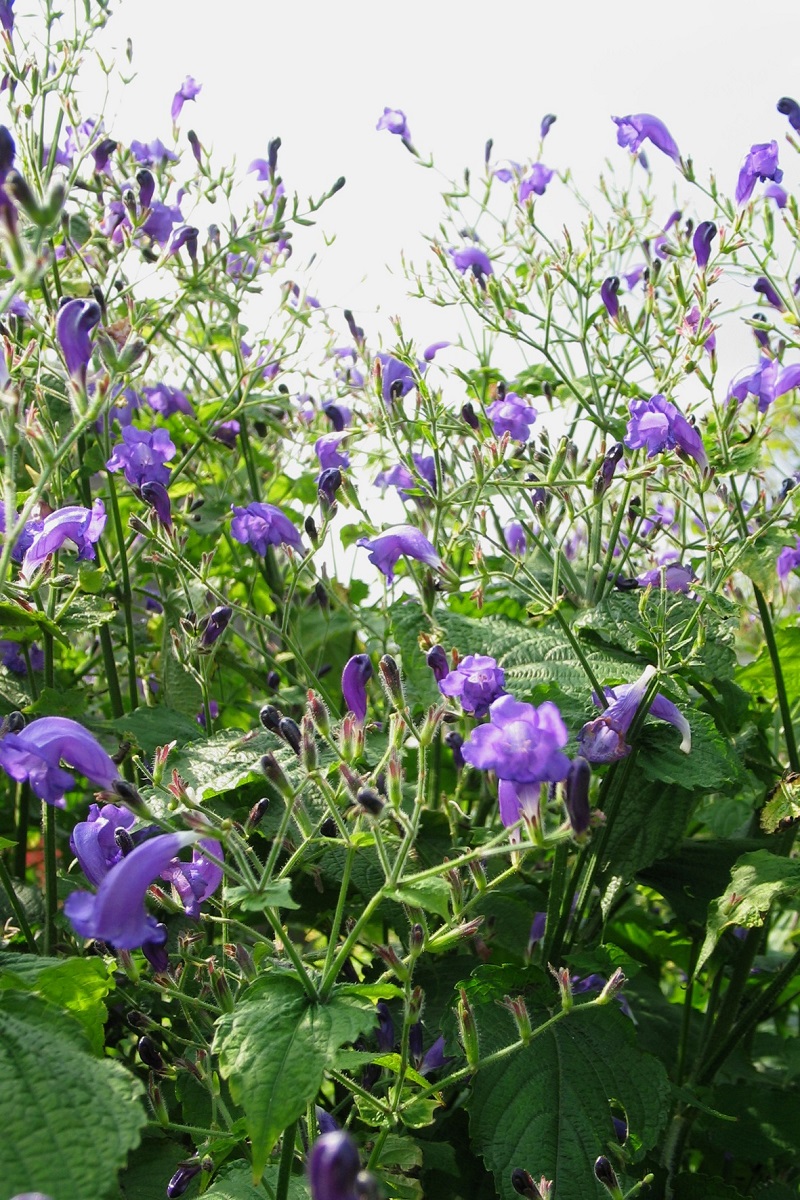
756, 880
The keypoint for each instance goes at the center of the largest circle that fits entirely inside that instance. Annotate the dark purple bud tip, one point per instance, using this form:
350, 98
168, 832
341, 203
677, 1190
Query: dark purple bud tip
289, 730
310, 527
182, 1178
14, 723
128, 795
605, 1174
370, 801
150, 1054
259, 809
366, 1187
703, 237
7, 151
468, 415
156, 951
763, 286
333, 1166
390, 673
328, 484
270, 717
123, 840
579, 777
273, 680
791, 109
620, 1129
437, 661
212, 627
608, 294
522, 1183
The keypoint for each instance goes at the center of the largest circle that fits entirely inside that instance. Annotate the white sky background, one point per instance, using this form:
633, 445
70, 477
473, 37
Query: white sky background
318, 75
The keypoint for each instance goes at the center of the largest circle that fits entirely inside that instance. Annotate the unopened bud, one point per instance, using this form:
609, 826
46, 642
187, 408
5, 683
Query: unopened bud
124, 840
310, 527
437, 661
576, 797
289, 730
157, 1102
416, 940
222, 990
351, 737
180, 1181
13, 723
393, 961
605, 1174
478, 873
354, 782
270, 717
522, 1182
275, 774
308, 745
390, 674
468, 414
561, 976
615, 985
454, 741
128, 795
319, 714
519, 1011
150, 1054
468, 1030
244, 961
370, 801
433, 717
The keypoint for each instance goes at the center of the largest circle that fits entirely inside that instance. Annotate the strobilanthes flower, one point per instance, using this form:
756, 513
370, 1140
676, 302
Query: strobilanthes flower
510, 414
74, 323
394, 120
36, 753
262, 525
608, 294
520, 743
603, 740
640, 127
760, 163
388, 547
83, 526
333, 1165
657, 425
766, 382
357, 673
472, 258
142, 454
188, 90
195, 881
477, 681
791, 109
701, 242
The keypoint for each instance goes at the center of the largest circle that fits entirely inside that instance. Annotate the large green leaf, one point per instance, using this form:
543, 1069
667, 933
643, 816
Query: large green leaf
78, 985
758, 677
546, 1108
756, 881
274, 1049
221, 763
68, 1118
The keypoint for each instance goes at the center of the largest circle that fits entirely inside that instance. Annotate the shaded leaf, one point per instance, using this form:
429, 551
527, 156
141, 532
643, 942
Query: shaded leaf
756, 880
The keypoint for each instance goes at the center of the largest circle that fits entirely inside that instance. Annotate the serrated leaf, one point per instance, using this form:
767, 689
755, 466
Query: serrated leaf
547, 1106
150, 727
58, 702
221, 763
272, 895
756, 880
234, 1183
86, 612
432, 895
14, 616
710, 765
77, 985
274, 1048
54, 1094
782, 809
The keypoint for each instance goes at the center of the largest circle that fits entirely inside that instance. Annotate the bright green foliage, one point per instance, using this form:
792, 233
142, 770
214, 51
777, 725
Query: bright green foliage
757, 880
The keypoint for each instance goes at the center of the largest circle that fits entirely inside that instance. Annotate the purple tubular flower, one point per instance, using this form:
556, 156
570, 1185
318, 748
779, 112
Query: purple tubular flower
576, 796
518, 800
437, 661
357, 673
227, 432
141, 455
640, 127
7, 151
188, 90
603, 740
153, 153
430, 352
511, 415
13, 659
116, 913
701, 242
774, 191
74, 323
184, 235
761, 162
327, 1123
767, 382
261, 525
394, 120
477, 681
333, 1165
328, 483
93, 842
167, 400
215, 625
7, 15
384, 1034
186, 1171
765, 289
197, 880
608, 294
397, 379
101, 154
36, 754
515, 538
157, 496
472, 258
387, 547
693, 323
535, 182
656, 425
83, 526
338, 415
791, 109
675, 577
788, 559
521, 743
547, 124
326, 449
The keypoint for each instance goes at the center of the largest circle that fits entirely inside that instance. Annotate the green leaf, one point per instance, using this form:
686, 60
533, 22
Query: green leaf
149, 728
59, 702
274, 1049
234, 1183
6, 843
782, 809
68, 1118
547, 1106
221, 763
433, 895
709, 766
756, 880
272, 895
86, 612
30, 622
77, 985
758, 677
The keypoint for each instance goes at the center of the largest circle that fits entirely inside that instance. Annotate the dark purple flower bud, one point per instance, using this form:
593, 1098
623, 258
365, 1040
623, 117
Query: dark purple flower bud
394, 120
791, 109
7, 152
147, 187
184, 235
75, 321
384, 1034
760, 163
328, 484
370, 801
270, 717
273, 146
333, 1165
620, 1129
355, 676
415, 1047
181, 1179
437, 661
390, 675
765, 289
123, 840
547, 124
150, 1054
657, 425
197, 149
473, 259
102, 153
214, 625
188, 90
273, 680
7, 22
468, 414
605, 1174
703, 237
607, 468
477, 681
388, 547
336, 415
608, 294
356, 332
289, 730
157, 496
454, 741
576, 796
522, 1182
262, 525
156, 951
640, 127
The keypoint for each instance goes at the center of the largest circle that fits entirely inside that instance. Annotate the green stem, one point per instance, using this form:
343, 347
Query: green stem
291, 953
287, 1158
552, 946
780, 684
50, 880
127, 595
337, 916
23, 814
112, 679
19, 912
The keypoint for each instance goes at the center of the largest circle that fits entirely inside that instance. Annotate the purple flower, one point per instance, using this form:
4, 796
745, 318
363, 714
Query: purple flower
703, 237
182, 1178
333, 1165
93, 841
153, 153
693, 323
83, 526
261, 525
184, 235
401, 478
397, 379
214, 625
8, 150
167, 400
761, 162
675, 577
767, 382
576, 795
608, 294
640, 127
765, 289
116, 913
472, 258
521, 743
547, 123
394, 120
511, 415
656, 425
515, 538
387, 547
75, 321
227, 432
774, 191
789, 559
437, 661
213, 712
328, 483
355, 676
791, 109
157, 496
13, 659
477, 681
535, 182
7, 15
195, 881
36, 754
603, 740
187, 91
430, 352
327, 451
141, 455
633, 276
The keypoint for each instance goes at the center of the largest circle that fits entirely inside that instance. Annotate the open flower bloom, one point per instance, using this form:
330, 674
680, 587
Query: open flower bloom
473, 259
141, 455
521, 743
93, 841
388, 547
116, 913
766, 382
357, 672
327, 451
511, 415
761, 162
603, 740
394, 121
477, 681
535, 182
657, 425
674, 576
641, 127
516, 541
195, 881
36, 753
188, 90
261, 525
397, 378
83, 526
